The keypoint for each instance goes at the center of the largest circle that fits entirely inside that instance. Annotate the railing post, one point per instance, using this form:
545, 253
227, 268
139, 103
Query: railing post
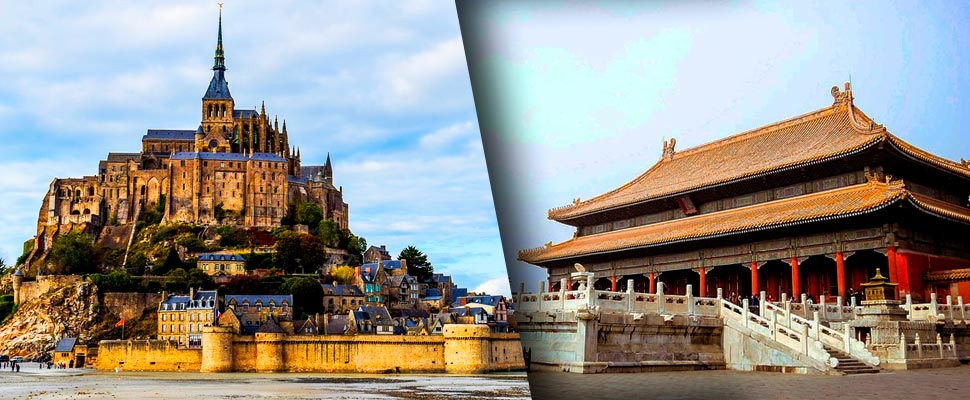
953, 345
949, 306
821, 303
919, 347
562, 294
661, 302
762, 304
542, 287
590, 292
788, 314
804, 332
963, 313
839, 300
939, 343
909, 306
690, 299
852, 304
815, 324
784, 297
933, 303
744, 311
847, 339
774, 329
629, 295
720, 293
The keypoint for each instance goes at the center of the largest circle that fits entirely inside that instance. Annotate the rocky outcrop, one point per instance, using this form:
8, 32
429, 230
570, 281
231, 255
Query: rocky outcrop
57, 308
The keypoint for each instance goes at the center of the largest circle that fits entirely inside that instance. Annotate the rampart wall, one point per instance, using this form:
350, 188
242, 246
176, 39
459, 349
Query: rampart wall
461, 349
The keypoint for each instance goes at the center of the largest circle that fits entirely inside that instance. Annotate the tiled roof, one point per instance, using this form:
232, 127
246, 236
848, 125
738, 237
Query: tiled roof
270, 326
66, 344
244, 113
841, 202
169, 134
821, 135
341, 290
962, 274
120, 157
263, 299
220, 257
218, 87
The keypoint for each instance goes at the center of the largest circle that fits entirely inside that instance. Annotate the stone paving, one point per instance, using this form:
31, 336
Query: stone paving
935, 384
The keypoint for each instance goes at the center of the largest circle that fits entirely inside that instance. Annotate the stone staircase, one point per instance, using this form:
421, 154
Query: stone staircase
848, 365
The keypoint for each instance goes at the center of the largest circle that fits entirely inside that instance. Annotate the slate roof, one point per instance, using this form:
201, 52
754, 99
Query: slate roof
220, 257
121, 157
377, 315
820, 206
169, 134
409, 313
368, 272
338, 325
218, 86
263, 299
341, 290
487, 300
236, 114
391, 264
270, 326
189, 155
821, 135
65, 345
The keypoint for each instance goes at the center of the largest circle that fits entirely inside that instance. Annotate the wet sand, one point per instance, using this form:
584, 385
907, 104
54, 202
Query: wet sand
35, 383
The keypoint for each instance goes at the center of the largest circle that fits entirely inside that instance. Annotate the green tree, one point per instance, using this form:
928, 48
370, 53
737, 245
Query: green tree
74, 253
243, 284
356, 247
190, 242
343, 274
176, 281
307, 295
171, 262
308, 213
298, 252
329, 232
116, 281
418, 264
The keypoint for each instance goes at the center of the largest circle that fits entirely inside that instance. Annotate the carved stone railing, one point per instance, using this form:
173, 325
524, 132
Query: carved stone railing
842, 341
616, 302
917, 349
934, 311
795, 337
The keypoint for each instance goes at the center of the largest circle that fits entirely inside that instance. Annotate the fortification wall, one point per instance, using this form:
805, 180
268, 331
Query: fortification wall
457, 352
44, 283
130, 306
146, 355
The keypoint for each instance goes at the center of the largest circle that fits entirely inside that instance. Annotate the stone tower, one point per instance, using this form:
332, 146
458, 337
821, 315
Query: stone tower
17, 280
217, 106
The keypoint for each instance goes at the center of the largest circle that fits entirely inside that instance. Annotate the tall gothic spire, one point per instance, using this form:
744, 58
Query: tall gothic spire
220, 61
218, 87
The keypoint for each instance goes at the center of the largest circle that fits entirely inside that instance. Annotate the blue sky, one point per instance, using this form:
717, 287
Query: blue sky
576, 98
381, 86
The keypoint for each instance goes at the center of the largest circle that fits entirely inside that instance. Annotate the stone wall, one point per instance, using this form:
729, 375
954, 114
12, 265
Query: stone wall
463, 349
44, 283
130, 306
146, 355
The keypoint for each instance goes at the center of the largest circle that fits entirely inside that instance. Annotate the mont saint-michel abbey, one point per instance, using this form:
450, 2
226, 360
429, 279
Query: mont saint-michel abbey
238, 164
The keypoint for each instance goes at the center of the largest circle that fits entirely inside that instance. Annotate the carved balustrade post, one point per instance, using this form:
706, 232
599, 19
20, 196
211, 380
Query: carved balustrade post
690, 299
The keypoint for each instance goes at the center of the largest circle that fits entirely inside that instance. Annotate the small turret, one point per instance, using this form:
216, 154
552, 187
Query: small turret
17, 281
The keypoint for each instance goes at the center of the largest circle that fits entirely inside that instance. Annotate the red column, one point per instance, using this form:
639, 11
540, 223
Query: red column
703, 292
796, 288
754, 279
840, 272
613, 280
891, 255
653, 282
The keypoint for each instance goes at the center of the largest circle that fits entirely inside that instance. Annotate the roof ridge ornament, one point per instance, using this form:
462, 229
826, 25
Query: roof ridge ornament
965, 163
669, 151
842, 97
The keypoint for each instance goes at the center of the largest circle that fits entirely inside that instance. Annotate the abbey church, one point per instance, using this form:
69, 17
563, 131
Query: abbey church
236, 168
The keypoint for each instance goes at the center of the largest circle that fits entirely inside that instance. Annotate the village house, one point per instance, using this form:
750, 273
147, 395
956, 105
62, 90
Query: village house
70, 353
372, 320
403, 291
181, 318
376, 254
372, 281
341, 299
222, 266
255, 310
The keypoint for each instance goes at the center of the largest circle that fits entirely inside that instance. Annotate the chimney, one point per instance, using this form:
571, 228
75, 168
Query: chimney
357, 271
191, 293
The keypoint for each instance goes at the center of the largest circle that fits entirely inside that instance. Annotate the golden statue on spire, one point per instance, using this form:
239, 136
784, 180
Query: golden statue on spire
220, 6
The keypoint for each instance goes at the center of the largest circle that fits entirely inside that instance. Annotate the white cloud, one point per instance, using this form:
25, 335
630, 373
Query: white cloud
497, 286
447, 135
412, 79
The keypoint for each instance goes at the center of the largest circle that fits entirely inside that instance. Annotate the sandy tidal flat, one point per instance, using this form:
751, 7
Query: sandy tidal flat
35, 383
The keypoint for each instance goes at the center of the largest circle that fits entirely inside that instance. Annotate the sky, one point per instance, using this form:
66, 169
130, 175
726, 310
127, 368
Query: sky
383, 87
576, 98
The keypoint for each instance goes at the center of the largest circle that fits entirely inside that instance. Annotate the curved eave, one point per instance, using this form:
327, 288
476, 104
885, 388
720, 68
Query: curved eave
885, 195
921, 156
948, 211
729, 181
